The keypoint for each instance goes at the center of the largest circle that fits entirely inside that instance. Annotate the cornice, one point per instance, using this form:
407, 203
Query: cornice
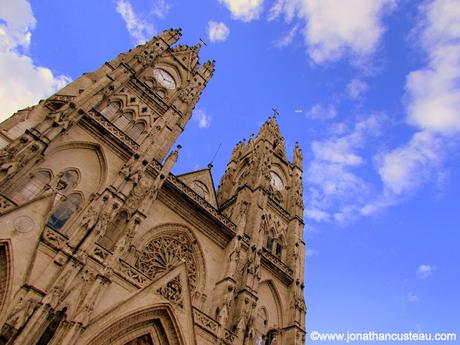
279, 268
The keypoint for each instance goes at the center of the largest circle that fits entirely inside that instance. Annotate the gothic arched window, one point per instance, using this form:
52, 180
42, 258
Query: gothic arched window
114, 231
278, 249
33, 187
123, 121
260, 324
136, 130
52, 327
67, 181
64, 211
269, 243
111, 110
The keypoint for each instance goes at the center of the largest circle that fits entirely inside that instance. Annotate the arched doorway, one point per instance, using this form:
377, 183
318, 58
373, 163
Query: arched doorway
5, 274
145, 339
151, 326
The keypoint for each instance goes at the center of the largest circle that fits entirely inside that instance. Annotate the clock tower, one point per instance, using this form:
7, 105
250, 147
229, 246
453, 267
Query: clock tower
261, 192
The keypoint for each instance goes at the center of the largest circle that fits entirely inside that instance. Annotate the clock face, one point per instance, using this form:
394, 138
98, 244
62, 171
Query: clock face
164, 78
276, 181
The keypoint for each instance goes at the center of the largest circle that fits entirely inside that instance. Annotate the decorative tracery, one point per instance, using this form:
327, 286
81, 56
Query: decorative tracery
168, 250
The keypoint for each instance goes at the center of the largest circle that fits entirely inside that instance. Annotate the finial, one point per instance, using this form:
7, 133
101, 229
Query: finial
210, 166
275, 112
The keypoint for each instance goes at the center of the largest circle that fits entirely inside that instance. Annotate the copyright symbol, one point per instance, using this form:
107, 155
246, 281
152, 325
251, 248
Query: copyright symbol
314, 335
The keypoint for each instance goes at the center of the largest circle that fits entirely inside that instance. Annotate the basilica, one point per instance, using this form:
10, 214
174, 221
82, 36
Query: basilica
101, 244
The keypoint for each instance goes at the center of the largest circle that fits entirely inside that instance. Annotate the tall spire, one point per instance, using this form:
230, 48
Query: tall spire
252, 163
270, 132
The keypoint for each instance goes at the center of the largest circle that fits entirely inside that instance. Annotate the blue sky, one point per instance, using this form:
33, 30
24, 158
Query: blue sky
370, 89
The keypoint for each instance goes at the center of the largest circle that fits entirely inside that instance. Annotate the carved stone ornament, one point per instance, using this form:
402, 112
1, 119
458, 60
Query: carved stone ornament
5, 204
187, 94
24, 224
205, 321
172, 291
53, 238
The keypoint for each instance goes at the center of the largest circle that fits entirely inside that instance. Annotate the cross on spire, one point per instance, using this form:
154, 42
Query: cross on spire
275, 112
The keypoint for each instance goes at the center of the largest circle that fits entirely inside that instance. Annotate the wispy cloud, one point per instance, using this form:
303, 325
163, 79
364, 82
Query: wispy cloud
336, 191
160, 9
310, 252
424, 271
317, 214
288, 38
139, 29
217, 31
356, 88
246, 10
276, 10
201, 118
23, 82
320, 112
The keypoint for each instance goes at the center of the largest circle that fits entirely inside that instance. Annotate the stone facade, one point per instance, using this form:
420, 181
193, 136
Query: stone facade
101, 244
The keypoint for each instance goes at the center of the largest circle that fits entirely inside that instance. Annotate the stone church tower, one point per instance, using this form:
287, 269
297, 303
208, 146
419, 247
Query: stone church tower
100, 244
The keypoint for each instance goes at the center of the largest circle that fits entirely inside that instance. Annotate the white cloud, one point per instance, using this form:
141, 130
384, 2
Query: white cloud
424, 271
434, 91
356, 88
405, 168
411, 297
160, 9
320, 112
339, 150
336, 190
336, 29
18, 22
246, 10
316, 214
433, 105
203, 120
217, 31
288, 38
139, 29
23, 83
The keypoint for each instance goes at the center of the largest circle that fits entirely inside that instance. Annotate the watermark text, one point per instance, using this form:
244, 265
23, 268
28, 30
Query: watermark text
350, 337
